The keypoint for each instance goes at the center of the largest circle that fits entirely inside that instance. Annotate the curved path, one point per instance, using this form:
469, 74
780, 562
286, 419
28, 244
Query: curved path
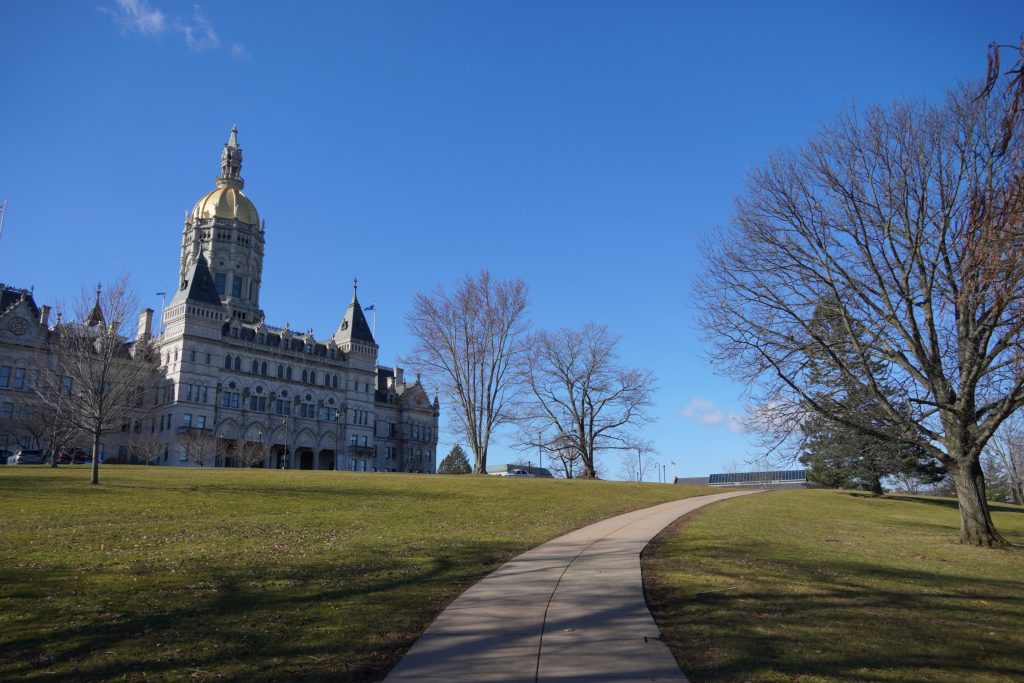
571, 609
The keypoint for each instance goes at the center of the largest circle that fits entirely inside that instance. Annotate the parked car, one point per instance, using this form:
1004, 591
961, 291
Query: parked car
514, 473
4, 455
74, 456
26, 457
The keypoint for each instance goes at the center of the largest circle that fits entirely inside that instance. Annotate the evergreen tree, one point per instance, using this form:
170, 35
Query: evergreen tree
836, 453
455, 462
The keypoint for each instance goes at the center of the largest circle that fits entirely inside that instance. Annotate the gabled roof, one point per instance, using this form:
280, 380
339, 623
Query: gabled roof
353, 326
11, 297
198, 285
415, 396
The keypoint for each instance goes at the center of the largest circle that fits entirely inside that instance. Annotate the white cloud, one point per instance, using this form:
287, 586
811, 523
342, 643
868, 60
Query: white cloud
199, 33
137, 16
703, 411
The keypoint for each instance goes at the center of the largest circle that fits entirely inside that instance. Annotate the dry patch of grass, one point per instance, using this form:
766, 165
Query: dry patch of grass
817, 586
255, 575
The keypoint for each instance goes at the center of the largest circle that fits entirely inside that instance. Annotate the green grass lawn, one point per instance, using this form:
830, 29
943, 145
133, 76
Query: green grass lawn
837, 586
174, 574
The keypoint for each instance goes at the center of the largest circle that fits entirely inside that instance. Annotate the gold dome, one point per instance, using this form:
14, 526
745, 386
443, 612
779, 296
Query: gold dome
226, 202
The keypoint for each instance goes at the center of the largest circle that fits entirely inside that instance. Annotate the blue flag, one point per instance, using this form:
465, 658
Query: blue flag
370, 307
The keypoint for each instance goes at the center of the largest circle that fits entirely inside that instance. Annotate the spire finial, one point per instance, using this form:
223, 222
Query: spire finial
95, 316
355, 289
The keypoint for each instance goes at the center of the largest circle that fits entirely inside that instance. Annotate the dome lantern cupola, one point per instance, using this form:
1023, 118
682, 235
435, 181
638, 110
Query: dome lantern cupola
226, 228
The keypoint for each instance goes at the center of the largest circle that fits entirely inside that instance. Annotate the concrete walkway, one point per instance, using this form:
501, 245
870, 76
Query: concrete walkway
570, 610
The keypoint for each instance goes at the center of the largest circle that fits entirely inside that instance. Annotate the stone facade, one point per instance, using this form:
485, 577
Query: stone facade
310, 403
23, 325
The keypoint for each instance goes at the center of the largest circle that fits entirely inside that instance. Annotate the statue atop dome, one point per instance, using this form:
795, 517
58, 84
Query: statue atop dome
231, 163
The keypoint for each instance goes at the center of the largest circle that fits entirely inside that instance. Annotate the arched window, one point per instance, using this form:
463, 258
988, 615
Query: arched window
238, 363
288, 372
263, 368
280, 371
305, 375
255, 366
334, 382
312, 376
227, 361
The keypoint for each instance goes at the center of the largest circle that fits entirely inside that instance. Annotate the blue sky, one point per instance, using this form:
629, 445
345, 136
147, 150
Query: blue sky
583, 146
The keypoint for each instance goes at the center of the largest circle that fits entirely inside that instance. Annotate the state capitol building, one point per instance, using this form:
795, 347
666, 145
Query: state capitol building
314, 403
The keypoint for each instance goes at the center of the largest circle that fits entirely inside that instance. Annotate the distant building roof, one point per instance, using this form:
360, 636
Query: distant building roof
758, 478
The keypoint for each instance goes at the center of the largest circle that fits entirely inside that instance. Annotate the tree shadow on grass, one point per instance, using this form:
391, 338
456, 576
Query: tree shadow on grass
948, 503
847, 620
256, 626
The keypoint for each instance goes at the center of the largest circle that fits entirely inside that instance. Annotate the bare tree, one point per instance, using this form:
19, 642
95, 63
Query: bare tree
251, 453
734, 466
638, 465
147, 447
40, 427
467, 341
45, 422
1007, 454
31, 427
577, 392
95, 378
909, 219
199, 446
564, 457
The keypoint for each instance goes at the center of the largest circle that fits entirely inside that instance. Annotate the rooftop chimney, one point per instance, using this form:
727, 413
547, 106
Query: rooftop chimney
146, 323
44, 316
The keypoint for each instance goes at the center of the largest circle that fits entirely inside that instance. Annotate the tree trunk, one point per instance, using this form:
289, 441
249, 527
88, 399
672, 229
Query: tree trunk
479, 461
53, 449
587, 470
95, 459
976, 527
876, 485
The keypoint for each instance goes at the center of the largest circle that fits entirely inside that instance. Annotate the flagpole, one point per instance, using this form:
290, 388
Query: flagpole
3, 215
374, 307
163, 305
